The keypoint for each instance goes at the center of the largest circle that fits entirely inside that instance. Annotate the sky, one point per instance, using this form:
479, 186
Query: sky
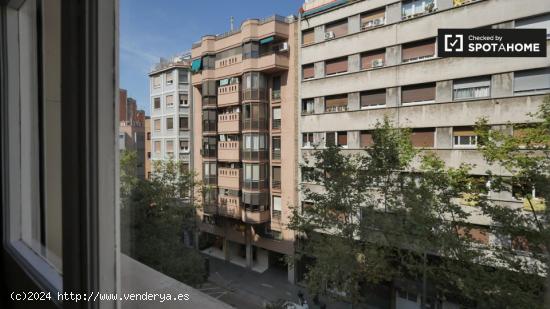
161, 28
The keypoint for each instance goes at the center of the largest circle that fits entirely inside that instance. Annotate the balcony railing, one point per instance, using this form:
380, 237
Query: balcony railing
229, 178
229, 151
339, 108
276, 184
276, 124
229, 123
229, 95
255, 216
230, 206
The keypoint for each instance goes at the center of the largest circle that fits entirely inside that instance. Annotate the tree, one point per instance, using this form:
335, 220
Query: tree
524, 157
381, 216
154, 217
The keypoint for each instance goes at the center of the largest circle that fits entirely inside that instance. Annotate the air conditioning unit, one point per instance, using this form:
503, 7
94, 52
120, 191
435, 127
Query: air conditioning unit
283, 47
329, 35
377, 63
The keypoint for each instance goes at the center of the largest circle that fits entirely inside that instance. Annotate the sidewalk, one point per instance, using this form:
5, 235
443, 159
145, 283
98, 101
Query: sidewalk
258, 289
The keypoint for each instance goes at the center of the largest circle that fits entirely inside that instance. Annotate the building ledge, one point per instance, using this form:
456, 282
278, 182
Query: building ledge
139, 278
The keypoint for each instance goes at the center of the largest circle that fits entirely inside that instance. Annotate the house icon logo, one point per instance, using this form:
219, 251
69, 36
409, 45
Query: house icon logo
454, 43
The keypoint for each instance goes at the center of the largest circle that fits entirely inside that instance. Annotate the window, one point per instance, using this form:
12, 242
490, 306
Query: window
184, 146
184, 123
336, 138
423, 93
170, 78
251, 50
308, 106
276, 118
472, 88
366, 139
308, 36
373, 19
537, 22
183, 77
532, 80
170, 149
342, 139
157, 147
156, 81
308, 71
424, 137
414, 8
336, 66
169, 123
209, 62
277, 209
464, 137
336, 103
307, 140
276, 172
169, 101
373, 59
276, 89
416, 51
148, 155
276, 148
183, 100
373, 98
336, 29
156, 124
156, 103
148, 136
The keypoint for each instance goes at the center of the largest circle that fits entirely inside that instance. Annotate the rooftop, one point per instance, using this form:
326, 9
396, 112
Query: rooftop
288, 19
182, 60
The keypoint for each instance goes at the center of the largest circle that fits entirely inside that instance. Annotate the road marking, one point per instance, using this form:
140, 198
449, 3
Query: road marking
266, 285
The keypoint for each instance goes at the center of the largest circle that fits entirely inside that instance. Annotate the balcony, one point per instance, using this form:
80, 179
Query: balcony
229, 206
229, 123
229, 151
229, 178
255, 216
229, 66
268, 63
229, 95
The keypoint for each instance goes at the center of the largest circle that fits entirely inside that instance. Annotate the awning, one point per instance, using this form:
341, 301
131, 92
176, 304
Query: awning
196, 65
267, 40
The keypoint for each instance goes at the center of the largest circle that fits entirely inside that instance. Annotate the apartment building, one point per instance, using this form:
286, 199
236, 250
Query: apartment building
245, 149
171, 110
131, 130
363, 60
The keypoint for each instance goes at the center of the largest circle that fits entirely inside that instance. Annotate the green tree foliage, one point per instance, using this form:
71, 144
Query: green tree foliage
374, 217
154, 216
522, 160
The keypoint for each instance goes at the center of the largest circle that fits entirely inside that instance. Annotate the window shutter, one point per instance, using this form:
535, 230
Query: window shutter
418, 50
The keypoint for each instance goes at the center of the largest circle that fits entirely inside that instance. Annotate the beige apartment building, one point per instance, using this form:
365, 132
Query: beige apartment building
363, 60
245, 141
